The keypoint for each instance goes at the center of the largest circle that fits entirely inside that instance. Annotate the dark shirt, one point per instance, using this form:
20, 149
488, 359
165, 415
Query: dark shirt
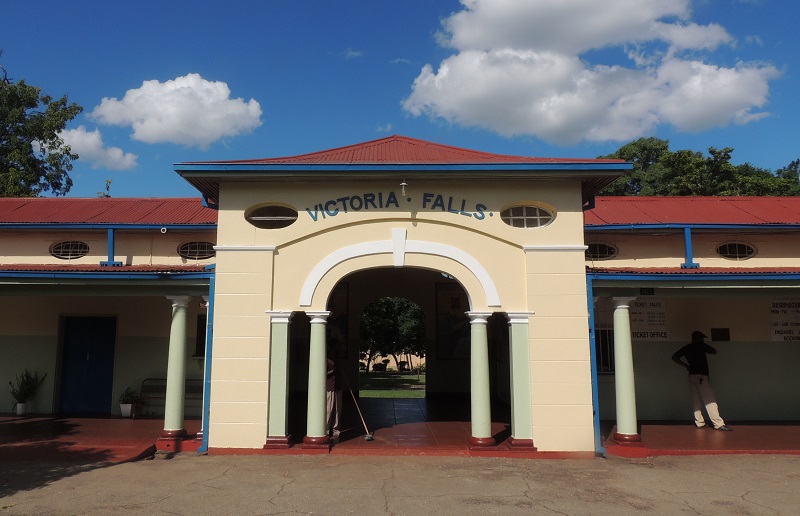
695, 354
333, 380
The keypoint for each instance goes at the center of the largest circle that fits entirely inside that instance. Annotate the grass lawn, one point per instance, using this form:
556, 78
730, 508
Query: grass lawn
379, 384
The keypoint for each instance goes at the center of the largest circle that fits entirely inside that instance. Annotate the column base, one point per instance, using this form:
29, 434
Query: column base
278, 442
482, 441
311, 442
627, 439
521, 444
171, 440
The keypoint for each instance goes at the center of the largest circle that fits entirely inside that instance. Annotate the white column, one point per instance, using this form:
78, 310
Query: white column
316, 436
627, 424
176, 369
278, 410
479, 386
521, 396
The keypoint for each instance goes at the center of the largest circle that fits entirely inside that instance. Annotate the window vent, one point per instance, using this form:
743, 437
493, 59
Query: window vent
736, 251
197, 250
271, 217
69, 250
526, 216
601, 252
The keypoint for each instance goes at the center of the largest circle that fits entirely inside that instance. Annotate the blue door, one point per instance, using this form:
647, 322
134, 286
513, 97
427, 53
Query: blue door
87, 365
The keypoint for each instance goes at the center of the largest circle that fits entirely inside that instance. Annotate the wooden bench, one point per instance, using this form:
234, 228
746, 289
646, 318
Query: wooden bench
154, 394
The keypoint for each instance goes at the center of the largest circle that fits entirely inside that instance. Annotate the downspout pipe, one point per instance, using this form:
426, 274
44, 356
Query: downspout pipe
598, 438
207, 374
110, 262
687, 244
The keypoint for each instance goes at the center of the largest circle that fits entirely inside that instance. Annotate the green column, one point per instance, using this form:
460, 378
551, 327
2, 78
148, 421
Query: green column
317, 367
277, 415
627, 429
479, 376
520, 358
176, 367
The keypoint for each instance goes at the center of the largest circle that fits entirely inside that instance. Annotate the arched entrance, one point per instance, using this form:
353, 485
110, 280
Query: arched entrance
446, 407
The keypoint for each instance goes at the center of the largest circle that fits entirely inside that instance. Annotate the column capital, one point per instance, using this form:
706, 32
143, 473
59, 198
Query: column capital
182, 301
620, 302
318, 317
279, 316
518, 317
478, 317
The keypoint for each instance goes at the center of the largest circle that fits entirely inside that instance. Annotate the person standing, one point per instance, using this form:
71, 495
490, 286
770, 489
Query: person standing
333, 387
696, 363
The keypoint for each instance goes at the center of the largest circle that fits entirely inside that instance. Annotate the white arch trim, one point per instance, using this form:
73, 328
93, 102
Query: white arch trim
398, 246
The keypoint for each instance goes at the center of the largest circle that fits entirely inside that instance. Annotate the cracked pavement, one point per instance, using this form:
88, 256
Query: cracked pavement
333, 485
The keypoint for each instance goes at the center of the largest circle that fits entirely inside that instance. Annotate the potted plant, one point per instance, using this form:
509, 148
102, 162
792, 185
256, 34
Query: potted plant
127, 401
25, 388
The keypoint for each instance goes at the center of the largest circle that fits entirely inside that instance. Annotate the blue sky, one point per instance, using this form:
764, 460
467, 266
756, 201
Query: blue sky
167, 82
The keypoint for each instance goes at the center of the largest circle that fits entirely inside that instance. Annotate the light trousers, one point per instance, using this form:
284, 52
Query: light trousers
703, 396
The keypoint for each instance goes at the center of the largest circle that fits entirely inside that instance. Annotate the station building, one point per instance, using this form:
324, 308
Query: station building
543, 303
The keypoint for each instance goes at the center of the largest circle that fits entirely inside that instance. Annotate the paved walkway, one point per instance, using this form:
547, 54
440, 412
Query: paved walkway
331, 485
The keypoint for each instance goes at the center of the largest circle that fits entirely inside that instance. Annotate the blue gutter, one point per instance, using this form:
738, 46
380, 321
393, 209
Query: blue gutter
105, 275
72, 225
207, 374
633, 227
396, 167
598, 438
676, 277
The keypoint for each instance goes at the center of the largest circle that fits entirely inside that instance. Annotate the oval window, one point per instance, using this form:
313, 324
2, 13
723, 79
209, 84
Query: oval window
736, 251
601, 252
526, 216
272, 217
69, 250
197, 250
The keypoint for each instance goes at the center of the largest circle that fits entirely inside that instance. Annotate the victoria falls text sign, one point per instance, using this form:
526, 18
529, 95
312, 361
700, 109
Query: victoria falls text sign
383, 201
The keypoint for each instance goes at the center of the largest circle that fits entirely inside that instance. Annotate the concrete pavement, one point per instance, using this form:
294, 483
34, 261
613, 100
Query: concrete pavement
332, 485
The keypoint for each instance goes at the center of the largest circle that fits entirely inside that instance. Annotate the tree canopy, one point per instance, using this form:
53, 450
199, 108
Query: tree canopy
392, 326
659, 171
33, 157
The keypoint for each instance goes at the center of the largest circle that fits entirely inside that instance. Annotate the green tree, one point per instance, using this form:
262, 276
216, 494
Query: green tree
659, 171
33, 157
645, 154
392, 326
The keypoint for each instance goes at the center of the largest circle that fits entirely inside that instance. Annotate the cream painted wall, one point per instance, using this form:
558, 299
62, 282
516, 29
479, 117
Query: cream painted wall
29, 338
134, 247
645, 249
539, 270
754, 377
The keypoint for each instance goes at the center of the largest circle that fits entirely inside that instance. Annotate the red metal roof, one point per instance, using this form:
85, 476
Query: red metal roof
693, 210
697, 271
403, 150
109, 210
29, 267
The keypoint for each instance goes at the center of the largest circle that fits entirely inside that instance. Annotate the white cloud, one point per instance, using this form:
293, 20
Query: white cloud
519, 69
89, 147
188, 110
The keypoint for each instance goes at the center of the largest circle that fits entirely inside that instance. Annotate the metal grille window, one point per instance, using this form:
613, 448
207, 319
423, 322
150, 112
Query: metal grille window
601, 252
604, 345
526, 216
197, 250
272, 217
736, 251
69, 250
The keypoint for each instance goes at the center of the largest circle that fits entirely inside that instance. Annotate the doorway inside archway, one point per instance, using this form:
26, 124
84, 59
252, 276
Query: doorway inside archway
391, 349
435, 407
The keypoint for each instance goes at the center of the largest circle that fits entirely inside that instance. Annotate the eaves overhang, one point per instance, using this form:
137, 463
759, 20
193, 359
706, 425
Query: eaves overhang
680, 226
206, 177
